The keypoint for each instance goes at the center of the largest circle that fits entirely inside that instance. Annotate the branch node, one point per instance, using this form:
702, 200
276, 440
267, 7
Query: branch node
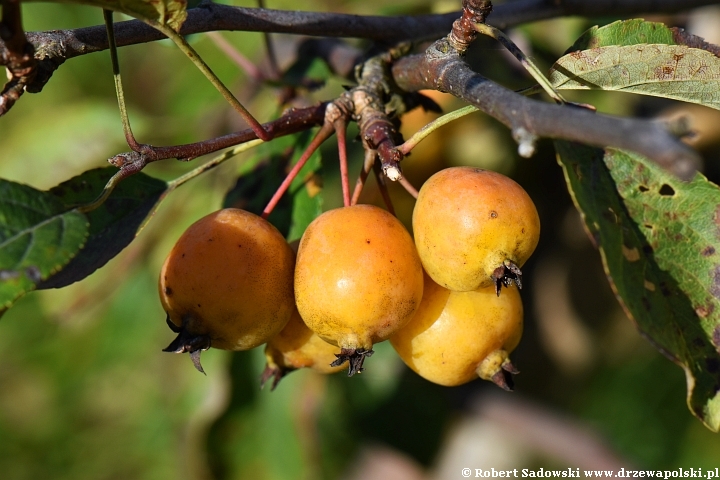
121, 160
129, 163
18, 56
463, 30
339, 109
377, 129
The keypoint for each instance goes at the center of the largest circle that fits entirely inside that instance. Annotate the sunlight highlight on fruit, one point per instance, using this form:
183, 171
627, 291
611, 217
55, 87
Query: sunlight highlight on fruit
358, 279
474, 228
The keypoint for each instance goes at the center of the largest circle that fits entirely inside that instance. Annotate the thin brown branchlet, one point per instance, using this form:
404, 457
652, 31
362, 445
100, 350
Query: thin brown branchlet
18, 56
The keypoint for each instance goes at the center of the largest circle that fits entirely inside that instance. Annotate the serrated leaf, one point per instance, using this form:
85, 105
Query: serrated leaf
301, 204
166, 12
659, 239
646, 58
113, 225
670, 71
38, 236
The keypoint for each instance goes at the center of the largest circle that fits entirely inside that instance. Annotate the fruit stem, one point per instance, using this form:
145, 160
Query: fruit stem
370, 157
340, 126
323, 134
408, 187
356, 357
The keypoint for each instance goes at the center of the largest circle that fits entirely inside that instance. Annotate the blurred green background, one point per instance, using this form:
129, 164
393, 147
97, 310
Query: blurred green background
86, 393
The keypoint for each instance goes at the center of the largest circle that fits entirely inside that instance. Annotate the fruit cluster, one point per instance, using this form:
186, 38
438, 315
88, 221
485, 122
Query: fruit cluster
358, 278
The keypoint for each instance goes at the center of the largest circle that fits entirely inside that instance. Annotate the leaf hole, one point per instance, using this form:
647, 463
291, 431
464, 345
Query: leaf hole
666, 190
643, 188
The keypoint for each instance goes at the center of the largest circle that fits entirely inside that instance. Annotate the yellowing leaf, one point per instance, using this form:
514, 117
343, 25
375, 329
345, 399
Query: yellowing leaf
670, 71
660, 245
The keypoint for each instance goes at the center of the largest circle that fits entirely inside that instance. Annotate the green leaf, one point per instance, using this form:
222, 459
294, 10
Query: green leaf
113, 225
646, 58
624, 32
659, 239
38, 236
262, 176
670, 71
166, 12
638, 31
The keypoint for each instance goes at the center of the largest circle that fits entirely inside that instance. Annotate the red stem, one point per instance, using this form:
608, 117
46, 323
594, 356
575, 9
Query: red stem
322, 135
408, 186
370, 156
340, 126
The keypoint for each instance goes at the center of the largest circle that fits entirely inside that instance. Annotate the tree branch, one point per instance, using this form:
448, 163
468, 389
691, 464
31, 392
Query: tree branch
435, 69
441, 68
54, 47
292, 121
523, 11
